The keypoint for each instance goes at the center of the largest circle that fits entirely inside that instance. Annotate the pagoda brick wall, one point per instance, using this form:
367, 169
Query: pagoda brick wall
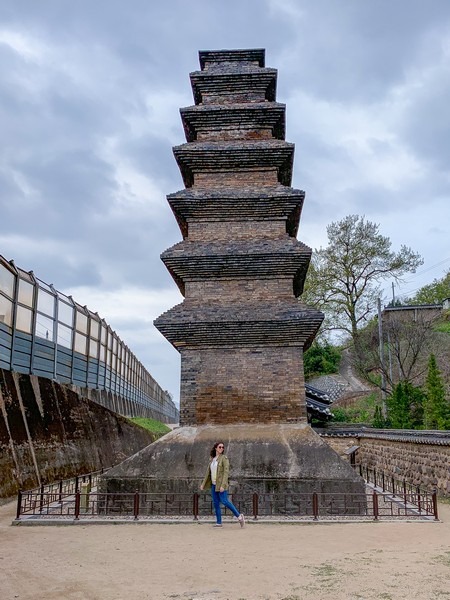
242, 385
224, 292
236, 230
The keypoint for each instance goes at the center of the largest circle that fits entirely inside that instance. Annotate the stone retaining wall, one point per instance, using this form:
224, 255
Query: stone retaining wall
48, 432
426, 465
418, 457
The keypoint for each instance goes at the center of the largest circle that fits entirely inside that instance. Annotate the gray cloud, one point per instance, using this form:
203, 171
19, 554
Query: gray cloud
89, 98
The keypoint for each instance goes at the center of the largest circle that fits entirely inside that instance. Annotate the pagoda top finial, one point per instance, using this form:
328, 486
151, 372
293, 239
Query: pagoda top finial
254, 56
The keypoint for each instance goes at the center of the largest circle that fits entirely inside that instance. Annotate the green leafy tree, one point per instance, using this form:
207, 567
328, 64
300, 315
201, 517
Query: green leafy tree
378, 419
344, 278
321, 359
436, 407
433, 293
405, 406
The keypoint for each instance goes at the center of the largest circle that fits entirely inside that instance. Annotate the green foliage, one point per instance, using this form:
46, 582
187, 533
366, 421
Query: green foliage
405, 406
151, 425
379, 421
321, 359
443, 327
361, 411
433, 293
436, 405
343, 278
444, 323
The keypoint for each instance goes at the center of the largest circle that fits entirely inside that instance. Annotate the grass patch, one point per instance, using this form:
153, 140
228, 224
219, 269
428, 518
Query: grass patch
443, 559
361, 411
443, 327
151, 425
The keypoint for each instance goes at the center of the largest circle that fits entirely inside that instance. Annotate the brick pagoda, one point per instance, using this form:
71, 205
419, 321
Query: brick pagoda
241, 330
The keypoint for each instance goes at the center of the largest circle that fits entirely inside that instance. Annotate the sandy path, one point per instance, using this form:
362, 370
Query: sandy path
191, 561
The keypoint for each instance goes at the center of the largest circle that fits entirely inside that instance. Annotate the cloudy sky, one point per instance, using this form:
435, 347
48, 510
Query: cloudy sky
89, 99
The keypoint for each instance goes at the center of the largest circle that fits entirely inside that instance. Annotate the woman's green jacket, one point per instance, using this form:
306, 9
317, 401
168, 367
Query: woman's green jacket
223, 470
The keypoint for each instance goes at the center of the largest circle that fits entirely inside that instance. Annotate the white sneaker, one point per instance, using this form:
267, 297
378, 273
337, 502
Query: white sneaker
241, 520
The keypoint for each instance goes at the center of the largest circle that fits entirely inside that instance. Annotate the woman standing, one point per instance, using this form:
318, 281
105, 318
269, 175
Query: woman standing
216, 479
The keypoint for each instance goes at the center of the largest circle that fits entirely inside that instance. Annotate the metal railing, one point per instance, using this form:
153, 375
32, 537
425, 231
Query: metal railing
400, 490
139, 505
57, 491
388, 483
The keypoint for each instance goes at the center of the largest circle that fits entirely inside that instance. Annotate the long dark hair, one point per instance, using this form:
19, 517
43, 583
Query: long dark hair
213, 449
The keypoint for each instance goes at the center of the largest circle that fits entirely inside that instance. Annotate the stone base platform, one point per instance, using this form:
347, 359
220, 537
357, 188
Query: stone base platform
277, 461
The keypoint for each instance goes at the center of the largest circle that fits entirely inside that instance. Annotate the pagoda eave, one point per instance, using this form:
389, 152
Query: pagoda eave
257, 325
246, 82
212, 58
243, 204
255, 118
215, 157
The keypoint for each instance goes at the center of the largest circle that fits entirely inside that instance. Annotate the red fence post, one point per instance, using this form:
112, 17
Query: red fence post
195, 506
19, 504
77, 506
435, 505
255, 505
41, 499
375, 506
136, 505
315, 505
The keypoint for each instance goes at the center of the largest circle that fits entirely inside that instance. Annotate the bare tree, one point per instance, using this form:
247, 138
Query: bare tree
407, 342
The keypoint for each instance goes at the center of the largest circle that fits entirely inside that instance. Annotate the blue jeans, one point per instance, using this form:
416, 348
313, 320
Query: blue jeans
222, 497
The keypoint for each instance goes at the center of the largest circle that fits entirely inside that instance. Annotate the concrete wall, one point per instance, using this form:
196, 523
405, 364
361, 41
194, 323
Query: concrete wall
48, 432
418, 457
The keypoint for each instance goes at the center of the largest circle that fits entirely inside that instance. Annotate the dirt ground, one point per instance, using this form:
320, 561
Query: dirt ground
197, 562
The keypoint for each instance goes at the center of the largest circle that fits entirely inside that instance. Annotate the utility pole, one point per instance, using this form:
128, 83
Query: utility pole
393, 294
381, 349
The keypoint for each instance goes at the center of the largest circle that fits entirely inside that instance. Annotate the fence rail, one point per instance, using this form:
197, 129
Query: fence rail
77, 498
138, 505
388, 483
58, 490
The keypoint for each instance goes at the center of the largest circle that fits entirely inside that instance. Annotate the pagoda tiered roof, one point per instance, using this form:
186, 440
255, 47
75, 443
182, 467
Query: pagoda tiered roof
267, 203
284, 324
213, 58
259, 119
235, 156
244, 83
258, 259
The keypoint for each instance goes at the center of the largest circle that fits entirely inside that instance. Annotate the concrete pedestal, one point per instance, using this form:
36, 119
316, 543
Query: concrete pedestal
280, 460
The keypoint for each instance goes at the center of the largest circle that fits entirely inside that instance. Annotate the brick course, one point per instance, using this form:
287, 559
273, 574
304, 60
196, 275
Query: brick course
228, 291
220, 231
